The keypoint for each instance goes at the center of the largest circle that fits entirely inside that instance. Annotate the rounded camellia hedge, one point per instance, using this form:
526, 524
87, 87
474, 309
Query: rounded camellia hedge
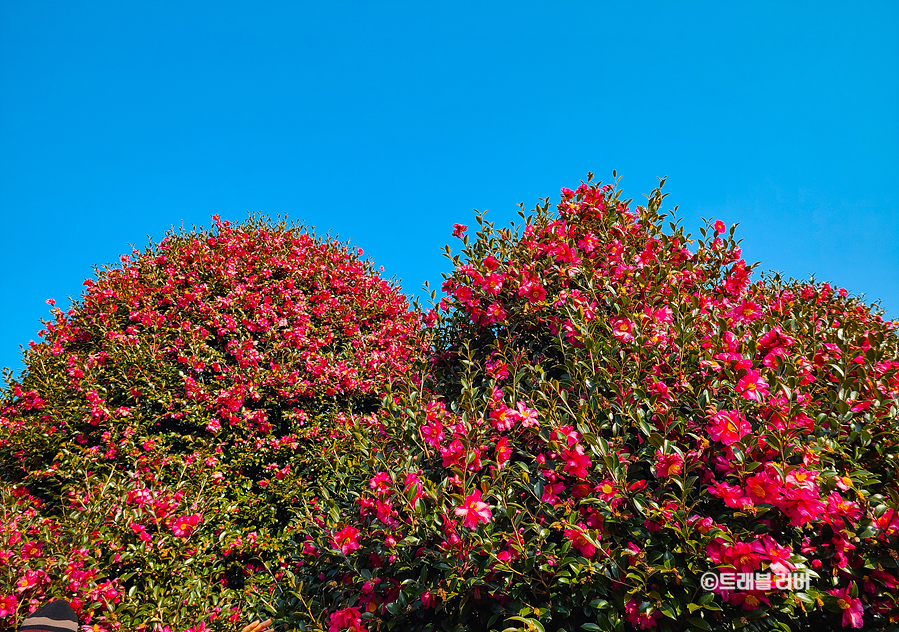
622, 429
605, 424
165, 437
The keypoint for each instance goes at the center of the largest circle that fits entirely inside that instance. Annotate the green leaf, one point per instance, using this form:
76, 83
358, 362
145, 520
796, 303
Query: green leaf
699, 623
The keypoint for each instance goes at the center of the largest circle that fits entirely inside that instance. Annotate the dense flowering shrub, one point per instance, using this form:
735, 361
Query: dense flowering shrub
172, 426
613, 419
617, 419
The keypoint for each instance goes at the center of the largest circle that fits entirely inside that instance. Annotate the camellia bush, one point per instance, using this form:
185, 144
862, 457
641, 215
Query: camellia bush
167, 434
603, 424
621, 429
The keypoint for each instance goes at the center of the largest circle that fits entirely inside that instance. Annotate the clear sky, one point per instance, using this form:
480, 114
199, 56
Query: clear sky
387, 122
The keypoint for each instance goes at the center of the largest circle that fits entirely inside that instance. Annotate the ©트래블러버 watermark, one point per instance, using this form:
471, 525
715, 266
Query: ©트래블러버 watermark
725, 580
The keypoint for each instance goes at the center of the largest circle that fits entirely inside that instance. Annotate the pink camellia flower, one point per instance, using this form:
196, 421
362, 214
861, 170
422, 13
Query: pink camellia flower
464, 294
432, 433
498, 370
32, 549
623, 329
473, 509
452, 454
503, 451
183, 526
29, 580
888, 523
752, 386
703, 525
533, 291
412, 488
141, 532
7, 605
606, 490
428, 600
803, 478
745, 312
579, 540
347, 619
576, 462
775, 338
347, 539
503, 418
551, 493
459, 230
728, 426
668, 464
762, 488
743, 557
640, 619
852, 607
777, 556
839, 506
568, 433
493, 283
730, 494
771, 359
802, 505
719, 227
495, 312
527, 416
380, 482
588, 243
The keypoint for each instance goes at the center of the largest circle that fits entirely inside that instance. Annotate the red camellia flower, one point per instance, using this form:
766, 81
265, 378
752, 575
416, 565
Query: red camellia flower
473, 510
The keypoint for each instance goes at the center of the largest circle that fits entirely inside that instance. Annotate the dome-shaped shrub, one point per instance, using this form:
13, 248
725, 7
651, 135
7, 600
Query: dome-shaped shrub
618, 419
157, 448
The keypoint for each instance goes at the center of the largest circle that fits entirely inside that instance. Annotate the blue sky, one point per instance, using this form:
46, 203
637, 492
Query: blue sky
387, 122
